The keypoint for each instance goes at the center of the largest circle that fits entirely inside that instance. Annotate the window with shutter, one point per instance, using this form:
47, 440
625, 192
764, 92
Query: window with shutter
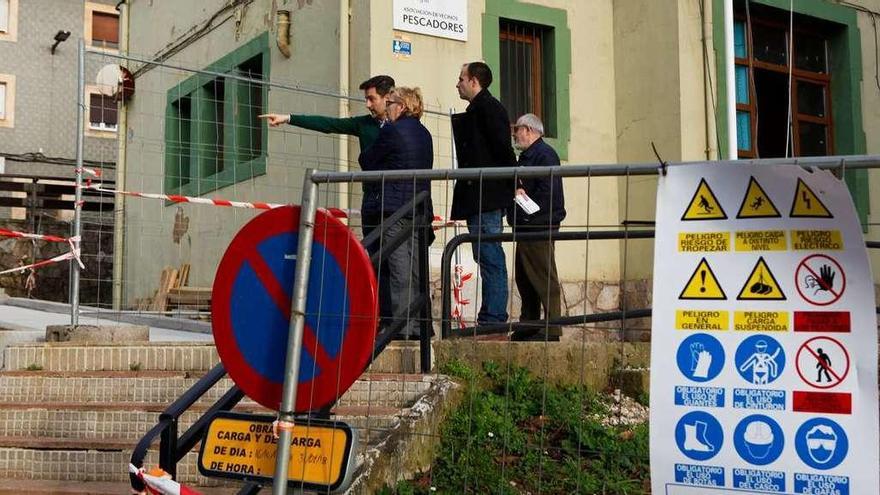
102, 112
105, 29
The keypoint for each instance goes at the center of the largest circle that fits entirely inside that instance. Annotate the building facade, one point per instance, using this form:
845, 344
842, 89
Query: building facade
609, 78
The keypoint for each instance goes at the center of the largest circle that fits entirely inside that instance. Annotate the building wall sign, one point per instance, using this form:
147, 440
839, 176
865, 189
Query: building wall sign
441, 18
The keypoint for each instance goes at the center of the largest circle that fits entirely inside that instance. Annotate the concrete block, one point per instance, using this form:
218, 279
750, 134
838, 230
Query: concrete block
11, 337
97, 334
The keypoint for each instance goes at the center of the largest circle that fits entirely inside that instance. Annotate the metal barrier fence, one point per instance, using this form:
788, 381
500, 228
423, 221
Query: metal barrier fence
163, 172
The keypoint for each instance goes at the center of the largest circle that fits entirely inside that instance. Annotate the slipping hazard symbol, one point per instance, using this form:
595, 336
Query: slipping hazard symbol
806, 203
704, 205
761, 285
703, 284
756, 203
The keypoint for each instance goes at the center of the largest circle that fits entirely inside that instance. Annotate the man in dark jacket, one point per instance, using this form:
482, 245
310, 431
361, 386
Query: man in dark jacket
535, 264
482, 139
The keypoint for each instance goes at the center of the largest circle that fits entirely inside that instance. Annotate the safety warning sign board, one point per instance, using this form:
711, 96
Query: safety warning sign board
774, 387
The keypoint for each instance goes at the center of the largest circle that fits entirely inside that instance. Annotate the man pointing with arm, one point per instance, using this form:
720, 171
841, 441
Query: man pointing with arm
365, 127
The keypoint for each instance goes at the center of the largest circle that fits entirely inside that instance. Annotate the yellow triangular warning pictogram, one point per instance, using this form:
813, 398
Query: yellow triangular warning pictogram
761, 284
704, 205
756, 203
703, 284
807, 204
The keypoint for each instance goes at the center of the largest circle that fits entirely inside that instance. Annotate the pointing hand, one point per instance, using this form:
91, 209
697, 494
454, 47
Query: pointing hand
275, 119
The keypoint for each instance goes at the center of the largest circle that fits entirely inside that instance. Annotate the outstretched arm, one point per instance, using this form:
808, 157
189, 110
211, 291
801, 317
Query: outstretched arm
320, 123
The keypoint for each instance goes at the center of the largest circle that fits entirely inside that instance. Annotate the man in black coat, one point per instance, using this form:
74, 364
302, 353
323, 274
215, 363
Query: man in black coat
535, 260
482, 139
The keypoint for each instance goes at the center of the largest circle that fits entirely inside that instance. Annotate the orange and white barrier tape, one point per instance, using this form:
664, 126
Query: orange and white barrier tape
94, 172
73, 254
36, 237
158, 482
176, 198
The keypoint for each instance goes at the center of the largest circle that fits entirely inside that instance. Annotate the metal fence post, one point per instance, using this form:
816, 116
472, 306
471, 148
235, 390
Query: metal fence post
77, 206
297, 321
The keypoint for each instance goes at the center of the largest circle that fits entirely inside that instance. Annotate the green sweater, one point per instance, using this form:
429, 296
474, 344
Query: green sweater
365, 127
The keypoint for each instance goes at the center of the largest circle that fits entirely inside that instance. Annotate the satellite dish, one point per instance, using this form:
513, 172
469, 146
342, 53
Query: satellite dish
116, 81
108, 79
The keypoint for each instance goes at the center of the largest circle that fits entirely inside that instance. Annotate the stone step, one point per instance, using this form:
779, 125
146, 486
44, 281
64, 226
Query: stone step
163, 387
54, 487
128, 422
399, 357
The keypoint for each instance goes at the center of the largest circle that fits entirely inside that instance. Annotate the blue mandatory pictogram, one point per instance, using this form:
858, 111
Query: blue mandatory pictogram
821, 443
700, 357
758, 439
699, 435
760, 359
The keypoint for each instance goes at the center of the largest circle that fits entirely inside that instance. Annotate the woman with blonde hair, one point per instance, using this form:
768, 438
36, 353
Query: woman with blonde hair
403, 143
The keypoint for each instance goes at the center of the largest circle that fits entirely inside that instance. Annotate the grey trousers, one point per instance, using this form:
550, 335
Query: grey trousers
538, 282
398, 275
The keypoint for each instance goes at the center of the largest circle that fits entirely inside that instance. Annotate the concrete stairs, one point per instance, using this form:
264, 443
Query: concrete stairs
70, 414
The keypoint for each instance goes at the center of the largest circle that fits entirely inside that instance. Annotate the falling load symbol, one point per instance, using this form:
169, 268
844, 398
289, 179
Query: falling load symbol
760, 287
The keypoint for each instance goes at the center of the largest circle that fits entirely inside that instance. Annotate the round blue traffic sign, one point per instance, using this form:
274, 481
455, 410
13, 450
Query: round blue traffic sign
758, 439
700, 357
821, 443
699, 435
760, 359
251, 309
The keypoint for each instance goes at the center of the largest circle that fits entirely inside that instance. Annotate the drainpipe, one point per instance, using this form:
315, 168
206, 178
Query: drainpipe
344, 74
730, 75
119, 200
282, 37
711, 129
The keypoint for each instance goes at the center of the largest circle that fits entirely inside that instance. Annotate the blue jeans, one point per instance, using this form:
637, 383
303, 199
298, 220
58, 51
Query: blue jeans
493, 269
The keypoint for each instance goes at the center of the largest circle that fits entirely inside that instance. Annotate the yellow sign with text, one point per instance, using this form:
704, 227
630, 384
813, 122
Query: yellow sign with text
760, 321
703, 242
700, 319
242, 446
760, 240
816, 240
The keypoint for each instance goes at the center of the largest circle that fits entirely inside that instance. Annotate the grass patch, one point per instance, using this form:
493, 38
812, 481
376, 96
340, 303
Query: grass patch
515, 434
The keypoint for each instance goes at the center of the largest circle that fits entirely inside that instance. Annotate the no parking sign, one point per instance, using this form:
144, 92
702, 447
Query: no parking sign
770, 317
251, 309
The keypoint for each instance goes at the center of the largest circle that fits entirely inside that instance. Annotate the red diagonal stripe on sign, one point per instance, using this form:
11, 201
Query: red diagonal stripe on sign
282, 302
820, 281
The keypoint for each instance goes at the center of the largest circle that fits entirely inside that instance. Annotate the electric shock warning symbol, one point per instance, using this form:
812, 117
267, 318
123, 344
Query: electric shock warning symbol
756, 203
761, 285
806, 204
704, 205
822, 362
820, 279
703, 284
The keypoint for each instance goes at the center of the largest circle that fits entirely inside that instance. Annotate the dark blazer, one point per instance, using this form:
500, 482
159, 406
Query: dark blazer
482, 139
403, 144
545, 191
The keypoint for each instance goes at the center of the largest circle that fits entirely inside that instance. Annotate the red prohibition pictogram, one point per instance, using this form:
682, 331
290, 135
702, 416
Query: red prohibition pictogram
824, 358
820, 280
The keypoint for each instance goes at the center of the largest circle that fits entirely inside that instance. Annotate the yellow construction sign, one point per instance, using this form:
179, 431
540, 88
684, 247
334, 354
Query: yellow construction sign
761, 285
704, 205
703, 284
242, 446
806, 203
756, 203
